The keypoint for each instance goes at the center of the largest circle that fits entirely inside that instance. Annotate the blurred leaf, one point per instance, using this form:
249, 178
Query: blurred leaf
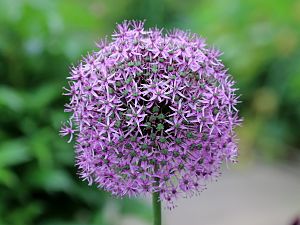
10, 10
91, 195
25, 214
8, 178
40, 143
13, 152
73, 14
61, 222
43, 96
99, 218
51, 180
64, 153
136, 207
11, 99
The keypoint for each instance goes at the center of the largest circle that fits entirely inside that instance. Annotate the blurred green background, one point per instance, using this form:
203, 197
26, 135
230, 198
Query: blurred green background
39, 39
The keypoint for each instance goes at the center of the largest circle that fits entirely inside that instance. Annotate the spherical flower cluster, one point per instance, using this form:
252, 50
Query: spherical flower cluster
152, 112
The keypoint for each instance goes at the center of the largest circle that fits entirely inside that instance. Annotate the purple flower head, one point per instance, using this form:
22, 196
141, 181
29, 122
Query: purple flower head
152, 112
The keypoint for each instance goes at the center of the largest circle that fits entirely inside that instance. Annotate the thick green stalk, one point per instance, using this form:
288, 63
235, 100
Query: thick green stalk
156, 208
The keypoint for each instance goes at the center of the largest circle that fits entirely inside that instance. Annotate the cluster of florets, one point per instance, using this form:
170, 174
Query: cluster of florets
152, 112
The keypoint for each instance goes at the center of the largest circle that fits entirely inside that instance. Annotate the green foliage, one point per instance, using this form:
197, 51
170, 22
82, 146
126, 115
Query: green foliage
260, 40
38, 180
40, 38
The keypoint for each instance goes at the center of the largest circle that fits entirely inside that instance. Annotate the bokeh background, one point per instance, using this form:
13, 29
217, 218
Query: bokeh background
39, 39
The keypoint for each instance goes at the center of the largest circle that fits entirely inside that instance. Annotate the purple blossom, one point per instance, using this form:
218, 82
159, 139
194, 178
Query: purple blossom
152, 112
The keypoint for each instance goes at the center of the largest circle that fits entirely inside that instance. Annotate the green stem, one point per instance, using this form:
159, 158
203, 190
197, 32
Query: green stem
156, 208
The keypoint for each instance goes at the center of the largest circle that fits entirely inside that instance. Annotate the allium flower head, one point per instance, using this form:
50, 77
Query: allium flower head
152, 112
